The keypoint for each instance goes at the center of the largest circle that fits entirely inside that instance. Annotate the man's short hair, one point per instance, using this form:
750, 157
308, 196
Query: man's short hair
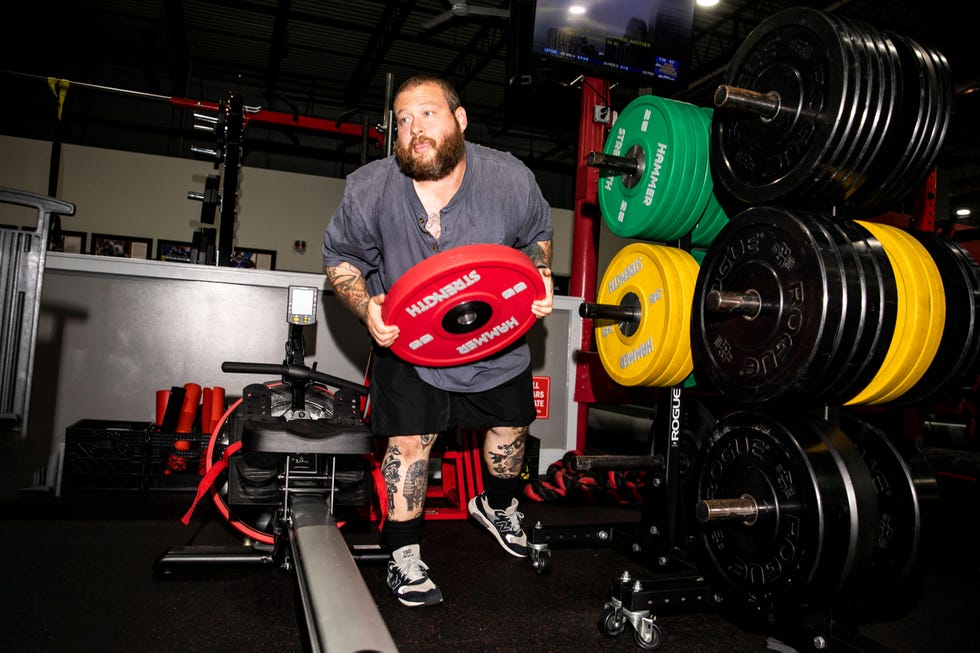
452, 97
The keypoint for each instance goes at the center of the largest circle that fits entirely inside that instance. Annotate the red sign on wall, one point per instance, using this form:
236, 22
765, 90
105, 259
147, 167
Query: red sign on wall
542, 395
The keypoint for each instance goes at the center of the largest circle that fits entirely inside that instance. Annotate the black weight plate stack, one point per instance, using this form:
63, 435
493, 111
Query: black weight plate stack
858, 316
914, 140
863, 95
795, 269
862, 115
871, 340
798, 54
847, 313
956, 357
812, 537
904, 138
878, 105
939, 90
908, 499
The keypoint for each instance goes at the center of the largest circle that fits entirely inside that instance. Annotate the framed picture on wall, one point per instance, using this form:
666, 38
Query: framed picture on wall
121, 246
175, 251
73, 242
257, 259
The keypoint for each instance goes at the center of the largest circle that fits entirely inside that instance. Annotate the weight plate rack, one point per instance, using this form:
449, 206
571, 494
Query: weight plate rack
804, 309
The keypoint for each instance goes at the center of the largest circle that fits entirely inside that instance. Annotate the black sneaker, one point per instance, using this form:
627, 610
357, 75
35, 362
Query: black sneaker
408, 578
505, 525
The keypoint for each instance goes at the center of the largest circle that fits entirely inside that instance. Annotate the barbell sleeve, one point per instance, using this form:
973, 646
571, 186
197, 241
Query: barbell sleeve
747, 303
743, 509
618, 312
765, 105
625, 165
579, 463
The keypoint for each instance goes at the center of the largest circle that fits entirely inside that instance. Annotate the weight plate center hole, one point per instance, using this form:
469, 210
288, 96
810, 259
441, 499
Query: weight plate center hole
631, 301
467, 317
631, 180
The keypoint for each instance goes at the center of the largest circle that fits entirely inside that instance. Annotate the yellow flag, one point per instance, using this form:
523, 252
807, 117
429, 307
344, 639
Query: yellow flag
60, 89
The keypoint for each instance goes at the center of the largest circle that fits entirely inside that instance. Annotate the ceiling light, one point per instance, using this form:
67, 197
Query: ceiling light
962, 212
576, 10
707, 3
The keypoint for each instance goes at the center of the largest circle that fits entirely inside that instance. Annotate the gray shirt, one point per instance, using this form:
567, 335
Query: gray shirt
379, 228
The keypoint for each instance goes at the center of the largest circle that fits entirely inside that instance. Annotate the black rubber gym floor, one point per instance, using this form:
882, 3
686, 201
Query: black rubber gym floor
78, 576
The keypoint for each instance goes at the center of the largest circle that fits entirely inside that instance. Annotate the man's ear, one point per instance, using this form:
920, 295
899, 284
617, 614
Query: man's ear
460, 114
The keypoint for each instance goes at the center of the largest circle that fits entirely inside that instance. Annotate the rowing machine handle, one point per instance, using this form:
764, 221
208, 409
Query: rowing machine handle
292, 373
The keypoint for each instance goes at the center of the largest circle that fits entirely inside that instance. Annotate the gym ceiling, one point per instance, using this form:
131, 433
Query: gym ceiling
331, 59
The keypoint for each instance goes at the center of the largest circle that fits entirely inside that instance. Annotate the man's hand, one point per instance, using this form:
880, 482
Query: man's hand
351, 290
383, 334
543, 307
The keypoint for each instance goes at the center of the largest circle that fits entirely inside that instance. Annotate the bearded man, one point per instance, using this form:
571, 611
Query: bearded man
435, 193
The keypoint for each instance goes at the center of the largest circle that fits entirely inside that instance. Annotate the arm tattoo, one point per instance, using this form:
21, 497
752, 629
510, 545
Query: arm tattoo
539, 252
416, 481
428, 438
350, 288
507, 463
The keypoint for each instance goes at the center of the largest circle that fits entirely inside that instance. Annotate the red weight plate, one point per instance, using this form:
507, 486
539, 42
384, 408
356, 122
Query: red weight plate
462, 305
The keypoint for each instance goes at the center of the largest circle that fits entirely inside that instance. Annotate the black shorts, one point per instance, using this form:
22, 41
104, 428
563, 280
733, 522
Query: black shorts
404, 404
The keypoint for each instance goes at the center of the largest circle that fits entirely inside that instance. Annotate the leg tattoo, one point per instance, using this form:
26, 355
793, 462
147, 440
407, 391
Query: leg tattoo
416, 481
406, 473
506, 460
389, 471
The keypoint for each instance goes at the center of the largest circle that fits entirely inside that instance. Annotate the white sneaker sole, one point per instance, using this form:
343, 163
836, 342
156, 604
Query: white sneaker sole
417, 604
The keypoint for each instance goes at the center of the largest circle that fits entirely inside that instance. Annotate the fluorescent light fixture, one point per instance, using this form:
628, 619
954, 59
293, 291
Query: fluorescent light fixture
963, 212
707, 3
576, 10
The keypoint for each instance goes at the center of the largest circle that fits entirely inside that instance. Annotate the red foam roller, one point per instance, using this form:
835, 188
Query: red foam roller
217, 407
192, 398
206, 409
163, 396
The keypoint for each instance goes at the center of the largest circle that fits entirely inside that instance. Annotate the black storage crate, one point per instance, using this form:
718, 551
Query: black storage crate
175, 468
105, 455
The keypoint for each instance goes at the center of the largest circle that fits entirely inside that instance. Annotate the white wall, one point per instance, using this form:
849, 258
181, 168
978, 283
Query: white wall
132, 194
24, 165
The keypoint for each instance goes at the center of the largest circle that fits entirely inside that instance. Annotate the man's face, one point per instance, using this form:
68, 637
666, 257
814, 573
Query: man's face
430, 136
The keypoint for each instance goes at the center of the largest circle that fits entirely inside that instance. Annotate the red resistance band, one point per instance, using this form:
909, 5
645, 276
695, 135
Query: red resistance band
208, 481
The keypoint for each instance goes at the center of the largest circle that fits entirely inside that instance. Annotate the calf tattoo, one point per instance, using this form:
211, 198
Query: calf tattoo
389, 471
415, 484
506, 461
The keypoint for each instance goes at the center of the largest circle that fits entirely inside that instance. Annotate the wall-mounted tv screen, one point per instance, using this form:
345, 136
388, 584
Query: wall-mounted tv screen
645, 42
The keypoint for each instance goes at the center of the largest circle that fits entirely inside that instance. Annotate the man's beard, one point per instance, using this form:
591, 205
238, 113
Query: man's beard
447, 156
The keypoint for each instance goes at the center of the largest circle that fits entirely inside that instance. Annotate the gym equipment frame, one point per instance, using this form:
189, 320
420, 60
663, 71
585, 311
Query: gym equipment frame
282, 445
22, 255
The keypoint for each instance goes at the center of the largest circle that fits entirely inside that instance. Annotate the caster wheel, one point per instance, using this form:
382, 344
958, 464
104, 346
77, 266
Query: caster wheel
541, 561
656, 639
612, 622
